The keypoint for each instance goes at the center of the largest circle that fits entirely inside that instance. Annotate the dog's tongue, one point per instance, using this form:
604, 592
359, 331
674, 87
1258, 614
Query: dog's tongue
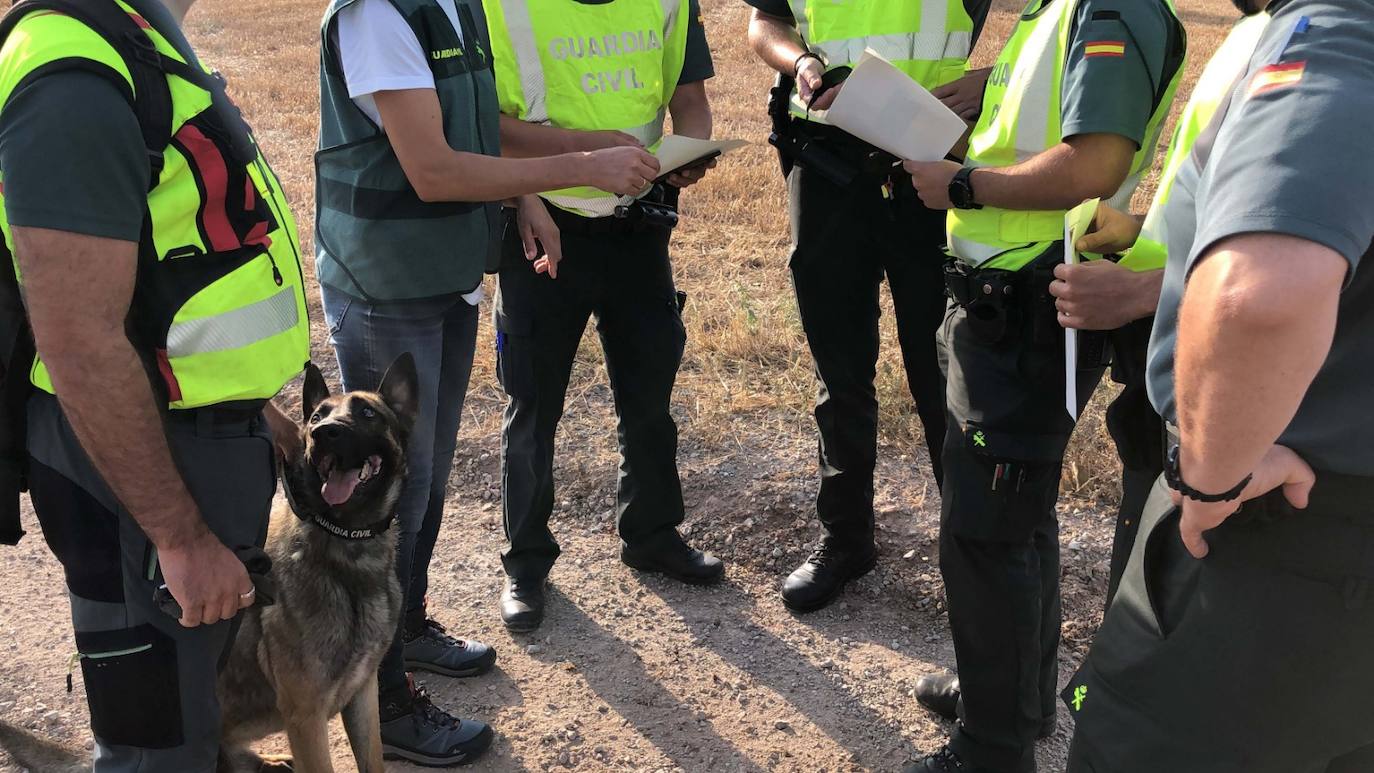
338, 487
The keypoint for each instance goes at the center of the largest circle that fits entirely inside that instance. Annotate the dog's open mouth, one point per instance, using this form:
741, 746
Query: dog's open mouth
339, 484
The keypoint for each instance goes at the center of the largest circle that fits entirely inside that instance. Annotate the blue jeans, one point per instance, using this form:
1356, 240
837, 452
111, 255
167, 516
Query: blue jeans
441, 333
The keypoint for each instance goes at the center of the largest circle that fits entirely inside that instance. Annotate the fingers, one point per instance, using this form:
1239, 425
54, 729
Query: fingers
1192, 537
824, 101
553, 252
947, 90
1298, 482
625, 140
528, 241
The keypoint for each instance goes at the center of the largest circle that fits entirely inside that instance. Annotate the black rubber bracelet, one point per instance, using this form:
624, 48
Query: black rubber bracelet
1173, 476
796, 66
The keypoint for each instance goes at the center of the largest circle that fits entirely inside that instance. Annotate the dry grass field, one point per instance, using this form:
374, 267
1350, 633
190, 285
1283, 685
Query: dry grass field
631, 673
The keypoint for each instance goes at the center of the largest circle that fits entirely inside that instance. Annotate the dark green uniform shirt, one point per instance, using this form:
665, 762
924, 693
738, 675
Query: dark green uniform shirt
1289, 155
72, 153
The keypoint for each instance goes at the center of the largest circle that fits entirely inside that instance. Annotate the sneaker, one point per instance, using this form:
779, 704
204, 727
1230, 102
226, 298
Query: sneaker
432, 649
415, 730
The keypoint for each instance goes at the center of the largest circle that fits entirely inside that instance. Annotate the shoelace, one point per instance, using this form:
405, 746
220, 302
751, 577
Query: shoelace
425, 708
436, 630
949, 759
825, 555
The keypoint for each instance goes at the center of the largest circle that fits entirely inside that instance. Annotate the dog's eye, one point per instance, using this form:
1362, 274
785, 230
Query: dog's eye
315, 418
368, 413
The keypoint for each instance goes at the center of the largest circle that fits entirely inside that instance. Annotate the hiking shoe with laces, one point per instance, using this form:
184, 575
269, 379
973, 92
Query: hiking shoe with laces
820, 579
432, 649
416, 730
943, 761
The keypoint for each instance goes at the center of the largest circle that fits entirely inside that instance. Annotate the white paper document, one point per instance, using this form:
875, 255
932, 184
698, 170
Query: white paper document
1076, 224
677, 151
886, 108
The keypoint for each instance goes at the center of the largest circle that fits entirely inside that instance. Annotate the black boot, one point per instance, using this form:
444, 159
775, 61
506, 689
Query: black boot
940, 693
522, 605
943, 761
676, 559
817, 582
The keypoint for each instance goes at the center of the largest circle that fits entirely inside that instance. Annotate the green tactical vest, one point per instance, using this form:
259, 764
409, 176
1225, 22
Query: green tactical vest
1150, 251
929, 40
374, 237
1022, 116
589, 67
219, 297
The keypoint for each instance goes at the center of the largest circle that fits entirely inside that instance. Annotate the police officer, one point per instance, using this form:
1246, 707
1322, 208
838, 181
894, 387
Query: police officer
1238, 639
1073, 110
1122, 296
162, 278
855, 220
578, 74
409, 154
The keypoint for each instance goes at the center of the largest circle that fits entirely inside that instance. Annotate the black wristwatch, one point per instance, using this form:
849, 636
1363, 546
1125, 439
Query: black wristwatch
961, 190
1174, 477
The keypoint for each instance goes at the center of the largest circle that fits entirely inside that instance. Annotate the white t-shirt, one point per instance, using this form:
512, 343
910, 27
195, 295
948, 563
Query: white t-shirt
379, 52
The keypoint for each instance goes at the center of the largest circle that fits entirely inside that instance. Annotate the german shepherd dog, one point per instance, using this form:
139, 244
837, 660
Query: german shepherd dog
315, 652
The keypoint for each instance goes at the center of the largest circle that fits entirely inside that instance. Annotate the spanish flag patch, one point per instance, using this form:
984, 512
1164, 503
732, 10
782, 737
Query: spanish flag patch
1105, 48
1277, 76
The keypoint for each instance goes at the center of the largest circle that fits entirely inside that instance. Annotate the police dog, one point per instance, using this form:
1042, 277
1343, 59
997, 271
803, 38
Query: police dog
314, 653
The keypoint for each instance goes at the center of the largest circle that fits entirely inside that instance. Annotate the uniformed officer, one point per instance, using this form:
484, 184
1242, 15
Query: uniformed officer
162, 278
589, 74
1122, 296
409, 158
1238, 640
855, 221
1073, 110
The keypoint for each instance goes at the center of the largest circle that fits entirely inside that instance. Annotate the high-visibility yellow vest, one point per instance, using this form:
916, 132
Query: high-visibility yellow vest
220, 297
930, 40
1151, 249
589, 67
1022, 117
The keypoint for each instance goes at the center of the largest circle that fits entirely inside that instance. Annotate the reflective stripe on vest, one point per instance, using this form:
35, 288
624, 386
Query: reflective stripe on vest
589, 67
224, 304
929, 40
1151, 249
1022, 118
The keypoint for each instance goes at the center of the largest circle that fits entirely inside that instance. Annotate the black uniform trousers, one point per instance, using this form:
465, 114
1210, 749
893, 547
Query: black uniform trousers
1255, 659
999, 535
846, 240
625, 279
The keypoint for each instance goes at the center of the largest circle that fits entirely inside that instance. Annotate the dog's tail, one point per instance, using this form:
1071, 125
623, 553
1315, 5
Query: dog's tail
39, 754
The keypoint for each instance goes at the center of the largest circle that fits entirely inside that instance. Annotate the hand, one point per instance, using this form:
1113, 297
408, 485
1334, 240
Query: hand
540, 236
931, 180
810, 75
1279, 467
1113, 231
286, 434
965, 96
206, 579
685, 178
624, 171
1101, 295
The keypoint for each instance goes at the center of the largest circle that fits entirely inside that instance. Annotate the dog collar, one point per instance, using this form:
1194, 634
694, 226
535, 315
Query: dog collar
368, 532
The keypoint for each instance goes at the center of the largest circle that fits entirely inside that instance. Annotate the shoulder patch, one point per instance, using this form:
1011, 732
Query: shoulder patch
1096, 48
1276, 76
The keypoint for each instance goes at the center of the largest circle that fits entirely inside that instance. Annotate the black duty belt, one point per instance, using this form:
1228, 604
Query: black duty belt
226, 415
657, 211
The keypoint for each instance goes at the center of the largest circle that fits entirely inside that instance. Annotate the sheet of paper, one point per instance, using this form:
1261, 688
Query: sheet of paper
886, 108
1076, 223
677, 151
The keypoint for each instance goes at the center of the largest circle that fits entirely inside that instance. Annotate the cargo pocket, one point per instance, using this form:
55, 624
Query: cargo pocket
1160, 576
514, 353
132, 687
1003, 485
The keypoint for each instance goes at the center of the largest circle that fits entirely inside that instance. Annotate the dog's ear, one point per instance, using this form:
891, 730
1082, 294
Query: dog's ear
401, 390
314, 391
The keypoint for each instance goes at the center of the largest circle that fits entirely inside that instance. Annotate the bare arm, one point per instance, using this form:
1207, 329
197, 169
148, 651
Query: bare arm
691, 111
1079, 168
776, 41
521, 139
1256, 323
439, 173
77, 290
